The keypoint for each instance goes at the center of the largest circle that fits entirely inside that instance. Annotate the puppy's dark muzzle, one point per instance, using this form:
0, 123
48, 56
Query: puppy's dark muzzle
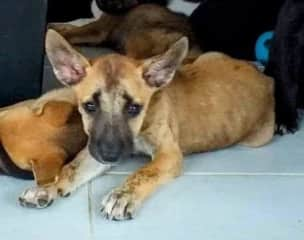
110, 155
107, 153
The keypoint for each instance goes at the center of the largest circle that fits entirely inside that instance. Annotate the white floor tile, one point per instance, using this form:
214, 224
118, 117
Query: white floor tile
211, 207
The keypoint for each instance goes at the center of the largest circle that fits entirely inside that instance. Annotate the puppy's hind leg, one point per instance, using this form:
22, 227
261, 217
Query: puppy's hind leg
263, 133
78, 172
94, 33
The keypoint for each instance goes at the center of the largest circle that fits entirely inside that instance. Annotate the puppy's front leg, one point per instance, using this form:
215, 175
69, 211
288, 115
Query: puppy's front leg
122, 202
81, 170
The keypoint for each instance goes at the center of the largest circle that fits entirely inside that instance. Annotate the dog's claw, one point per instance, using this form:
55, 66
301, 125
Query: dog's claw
118, 205
62, 193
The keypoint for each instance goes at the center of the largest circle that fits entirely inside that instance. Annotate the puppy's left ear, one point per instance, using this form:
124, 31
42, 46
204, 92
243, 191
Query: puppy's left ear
159, 71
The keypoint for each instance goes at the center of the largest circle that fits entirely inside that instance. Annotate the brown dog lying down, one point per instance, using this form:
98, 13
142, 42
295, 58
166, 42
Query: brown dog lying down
38, 144
145, 31
157, 107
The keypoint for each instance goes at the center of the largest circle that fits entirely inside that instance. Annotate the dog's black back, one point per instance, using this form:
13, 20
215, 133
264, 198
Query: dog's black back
286, 63
233, 26
122, 6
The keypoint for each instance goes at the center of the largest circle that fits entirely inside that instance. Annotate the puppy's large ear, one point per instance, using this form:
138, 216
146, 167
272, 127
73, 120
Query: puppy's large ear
159, 71
69, 65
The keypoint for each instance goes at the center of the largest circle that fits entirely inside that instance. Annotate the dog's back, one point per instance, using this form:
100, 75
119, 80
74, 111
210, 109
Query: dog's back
219, 101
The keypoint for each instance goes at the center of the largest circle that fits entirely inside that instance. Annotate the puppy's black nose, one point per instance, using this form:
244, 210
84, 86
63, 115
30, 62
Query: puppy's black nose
110, 152
110, 157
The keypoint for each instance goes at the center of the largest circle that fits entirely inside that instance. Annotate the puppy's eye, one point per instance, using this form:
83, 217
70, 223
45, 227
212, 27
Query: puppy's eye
133, 109
90, 107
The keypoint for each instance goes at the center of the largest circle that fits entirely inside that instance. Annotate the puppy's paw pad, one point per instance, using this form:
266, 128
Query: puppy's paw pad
119, 205
35, 198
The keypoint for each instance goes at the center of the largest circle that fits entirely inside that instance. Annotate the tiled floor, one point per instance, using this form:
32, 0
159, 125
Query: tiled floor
232, 194
236, 193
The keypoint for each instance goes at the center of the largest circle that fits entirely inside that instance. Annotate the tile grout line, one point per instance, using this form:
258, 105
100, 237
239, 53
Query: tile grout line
90, 211
223, 174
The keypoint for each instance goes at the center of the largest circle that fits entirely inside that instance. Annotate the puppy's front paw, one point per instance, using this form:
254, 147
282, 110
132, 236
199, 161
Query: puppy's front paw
119, 205
36, 197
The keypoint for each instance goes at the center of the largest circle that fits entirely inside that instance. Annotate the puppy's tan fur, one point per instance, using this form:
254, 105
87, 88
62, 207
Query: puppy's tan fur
42, 142
212, 103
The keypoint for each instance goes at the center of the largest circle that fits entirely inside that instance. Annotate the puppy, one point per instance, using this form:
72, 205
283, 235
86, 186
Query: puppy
157, 107
142, 32
286, 64
38, 143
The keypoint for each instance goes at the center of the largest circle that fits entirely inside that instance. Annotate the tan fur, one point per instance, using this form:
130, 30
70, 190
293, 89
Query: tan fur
42, 142
212, 103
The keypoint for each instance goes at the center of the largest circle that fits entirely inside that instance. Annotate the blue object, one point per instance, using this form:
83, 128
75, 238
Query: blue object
262, 47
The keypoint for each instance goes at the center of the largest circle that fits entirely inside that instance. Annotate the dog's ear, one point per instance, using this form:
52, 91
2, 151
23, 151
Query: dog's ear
159, 71
58, 113
68, 64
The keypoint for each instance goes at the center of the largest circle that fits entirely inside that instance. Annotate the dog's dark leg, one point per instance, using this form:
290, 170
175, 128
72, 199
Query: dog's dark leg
287, 84
286, 96
286, 66
281, 66
300, 77
94, 33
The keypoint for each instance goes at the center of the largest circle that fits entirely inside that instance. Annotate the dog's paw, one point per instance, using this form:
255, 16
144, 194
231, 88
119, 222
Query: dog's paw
283, 130
36, 197
119, 205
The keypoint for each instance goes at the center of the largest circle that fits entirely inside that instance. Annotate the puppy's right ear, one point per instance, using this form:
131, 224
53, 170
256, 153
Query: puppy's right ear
69, 65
